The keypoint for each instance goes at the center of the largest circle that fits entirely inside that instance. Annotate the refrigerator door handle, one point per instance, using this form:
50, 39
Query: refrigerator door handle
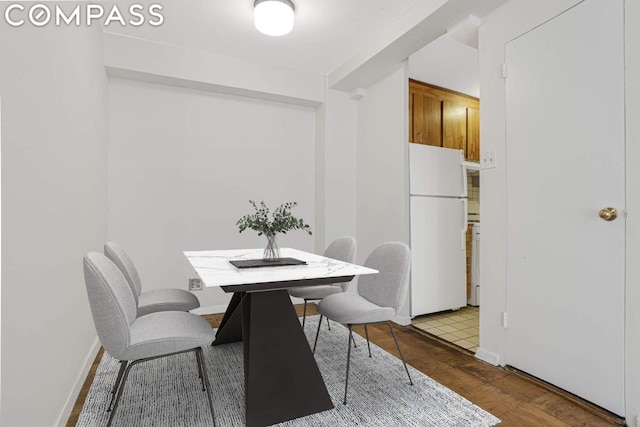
465, 189
465, 205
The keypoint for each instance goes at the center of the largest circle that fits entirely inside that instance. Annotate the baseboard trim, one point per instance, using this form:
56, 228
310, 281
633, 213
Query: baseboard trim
488, 356
212, 309
75, 391
402, 320
610, 417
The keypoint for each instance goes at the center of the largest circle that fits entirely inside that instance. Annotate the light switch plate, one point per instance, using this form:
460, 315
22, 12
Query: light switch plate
488, 160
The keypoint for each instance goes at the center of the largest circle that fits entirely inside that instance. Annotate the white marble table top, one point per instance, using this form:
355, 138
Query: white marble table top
214, 268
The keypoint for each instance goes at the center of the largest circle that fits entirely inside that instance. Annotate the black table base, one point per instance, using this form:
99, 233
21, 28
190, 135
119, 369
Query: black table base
282, 379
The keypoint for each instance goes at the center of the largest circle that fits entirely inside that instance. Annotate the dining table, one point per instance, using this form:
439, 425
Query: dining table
282, 378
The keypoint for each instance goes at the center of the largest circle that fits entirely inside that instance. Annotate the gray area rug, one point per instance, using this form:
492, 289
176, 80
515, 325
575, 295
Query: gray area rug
167, 392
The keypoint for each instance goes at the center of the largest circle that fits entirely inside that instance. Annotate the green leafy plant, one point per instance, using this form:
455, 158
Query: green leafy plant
280, 221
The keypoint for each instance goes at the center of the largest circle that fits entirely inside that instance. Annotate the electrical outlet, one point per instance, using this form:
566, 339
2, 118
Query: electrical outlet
488, 160
195, 284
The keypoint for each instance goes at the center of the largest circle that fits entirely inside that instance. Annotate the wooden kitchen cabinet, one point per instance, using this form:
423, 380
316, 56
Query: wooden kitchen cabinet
454, 126
444, 118
469, 242
473, 134
427, 119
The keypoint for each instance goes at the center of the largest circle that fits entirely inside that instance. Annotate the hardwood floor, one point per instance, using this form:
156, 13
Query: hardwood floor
514, 398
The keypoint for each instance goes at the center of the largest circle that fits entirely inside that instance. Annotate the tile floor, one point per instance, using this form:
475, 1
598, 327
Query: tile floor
458, 327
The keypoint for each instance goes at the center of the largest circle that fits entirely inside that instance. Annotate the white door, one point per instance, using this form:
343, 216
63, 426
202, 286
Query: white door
438, 249
436, 171
565, 162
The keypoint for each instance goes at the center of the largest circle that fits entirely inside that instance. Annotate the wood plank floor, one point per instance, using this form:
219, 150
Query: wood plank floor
517, 400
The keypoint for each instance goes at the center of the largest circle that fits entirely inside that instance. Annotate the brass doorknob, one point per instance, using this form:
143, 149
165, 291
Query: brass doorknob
608, 214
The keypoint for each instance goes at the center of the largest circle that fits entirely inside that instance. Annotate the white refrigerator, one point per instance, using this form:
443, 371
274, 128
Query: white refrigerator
438, 199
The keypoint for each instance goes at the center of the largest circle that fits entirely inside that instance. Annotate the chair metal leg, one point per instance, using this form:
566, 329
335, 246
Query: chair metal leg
366, 333
200, 357
200, 371
121, 388
328, 324
346, 381
304, 314
317, 333
123, 366
400, 352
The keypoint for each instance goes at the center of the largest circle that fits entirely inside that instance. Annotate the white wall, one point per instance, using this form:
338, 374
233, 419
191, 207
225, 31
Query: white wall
340, 166
447, 63
381, 166
196, 69
504, 24
320, 160
54, 193
183, 165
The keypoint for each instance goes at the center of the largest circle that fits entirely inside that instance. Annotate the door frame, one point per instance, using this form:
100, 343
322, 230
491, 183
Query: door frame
504, 24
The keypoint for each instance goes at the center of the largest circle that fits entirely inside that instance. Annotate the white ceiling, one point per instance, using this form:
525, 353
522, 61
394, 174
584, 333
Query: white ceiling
326, 32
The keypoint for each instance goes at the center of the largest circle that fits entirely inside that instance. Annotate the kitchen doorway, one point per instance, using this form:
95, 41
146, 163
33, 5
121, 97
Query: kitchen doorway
451, 62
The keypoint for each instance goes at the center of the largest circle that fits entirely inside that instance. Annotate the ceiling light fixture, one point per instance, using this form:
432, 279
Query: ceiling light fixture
273, 17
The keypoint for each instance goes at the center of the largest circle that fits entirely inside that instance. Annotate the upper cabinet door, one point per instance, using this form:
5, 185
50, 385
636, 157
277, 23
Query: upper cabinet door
473, 134
454, 125
427, 120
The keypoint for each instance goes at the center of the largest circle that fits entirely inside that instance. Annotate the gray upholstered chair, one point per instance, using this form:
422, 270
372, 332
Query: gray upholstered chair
378, 299
131, 339
170, 299
343, 249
